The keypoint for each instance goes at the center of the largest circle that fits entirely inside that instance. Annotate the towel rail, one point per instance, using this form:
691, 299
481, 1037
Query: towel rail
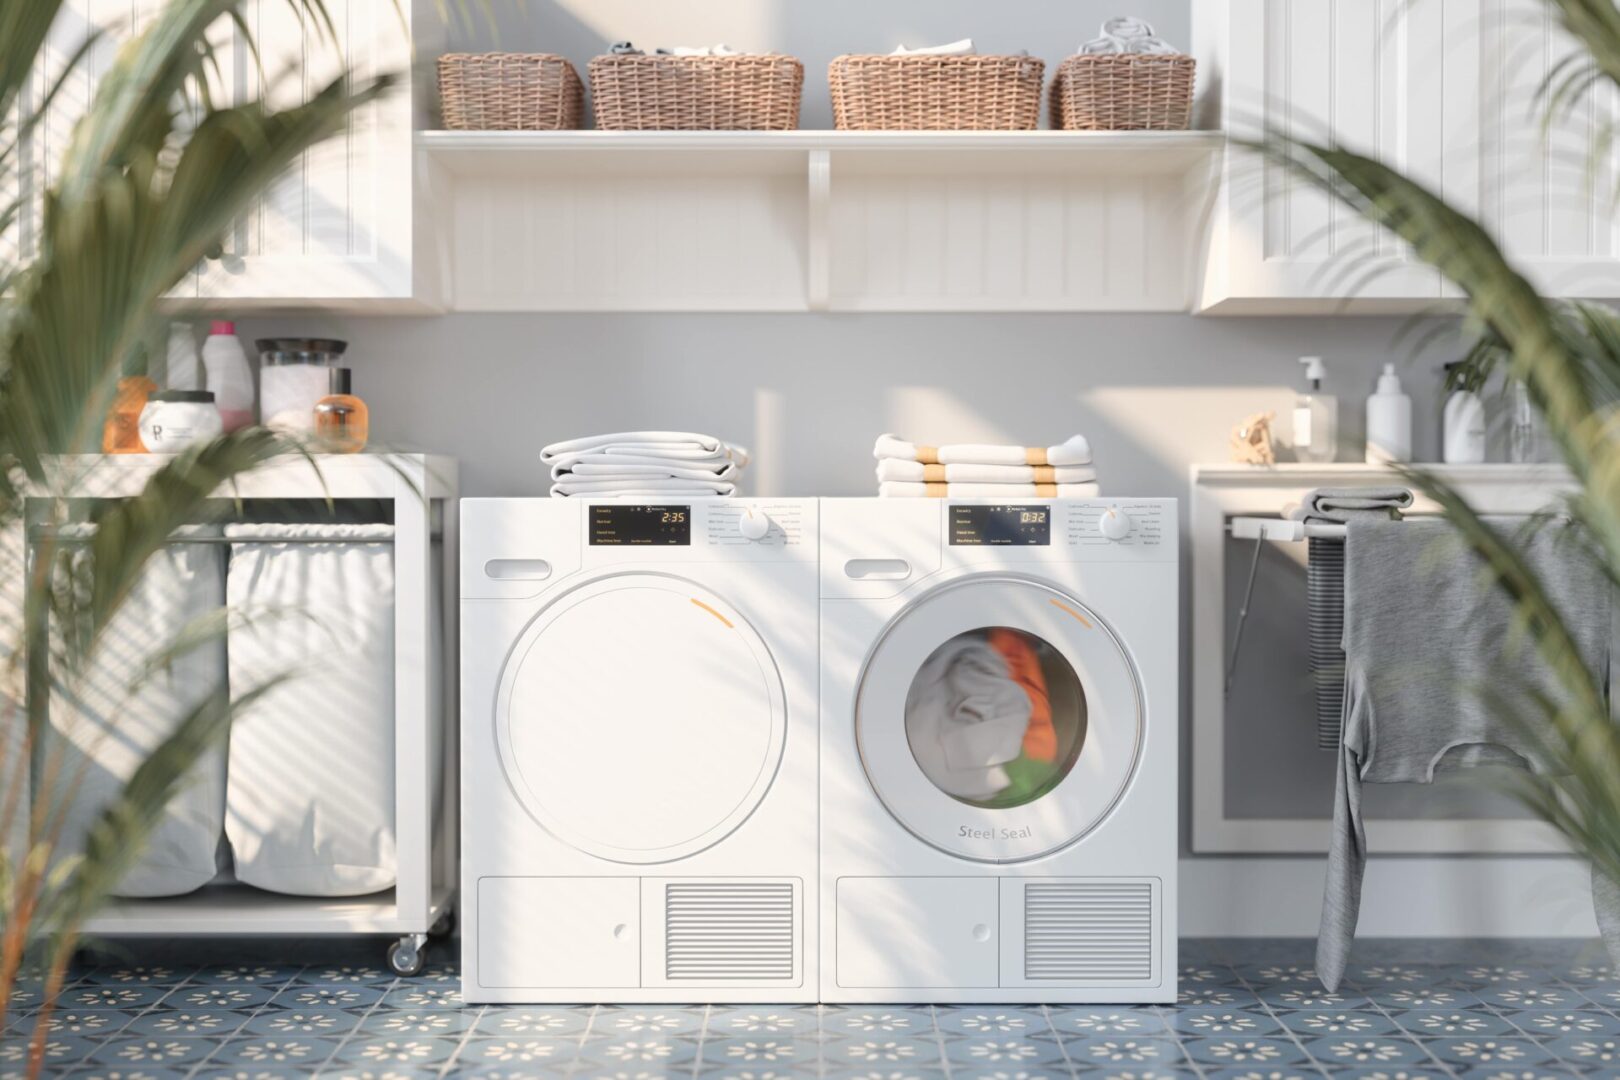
38, 536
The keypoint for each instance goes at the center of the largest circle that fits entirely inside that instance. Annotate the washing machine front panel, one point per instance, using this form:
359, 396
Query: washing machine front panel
982, 767
640, 718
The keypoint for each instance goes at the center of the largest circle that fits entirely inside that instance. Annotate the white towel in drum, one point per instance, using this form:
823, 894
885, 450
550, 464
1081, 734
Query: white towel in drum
916, 472
103, 725
896, 489
966, 718
1072, 451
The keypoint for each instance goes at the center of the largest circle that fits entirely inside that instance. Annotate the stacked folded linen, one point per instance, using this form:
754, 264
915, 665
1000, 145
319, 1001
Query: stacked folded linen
967, 471
644, 463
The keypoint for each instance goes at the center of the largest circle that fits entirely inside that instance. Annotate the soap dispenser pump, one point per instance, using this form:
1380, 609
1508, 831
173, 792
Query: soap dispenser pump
1316, 416
1389, 421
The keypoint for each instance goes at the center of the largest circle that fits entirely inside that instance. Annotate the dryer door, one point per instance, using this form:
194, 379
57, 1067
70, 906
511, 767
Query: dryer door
998, 719
640, 718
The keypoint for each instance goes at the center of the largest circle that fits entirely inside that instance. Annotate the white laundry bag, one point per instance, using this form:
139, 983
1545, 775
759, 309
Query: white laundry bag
310, 795
103, 725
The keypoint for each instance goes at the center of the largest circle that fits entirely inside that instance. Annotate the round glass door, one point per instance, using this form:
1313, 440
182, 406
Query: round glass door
998, 719
640, 718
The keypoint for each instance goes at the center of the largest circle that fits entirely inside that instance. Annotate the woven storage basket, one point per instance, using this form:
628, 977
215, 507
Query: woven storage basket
936, 93
696, 93
1123, 92
510, 92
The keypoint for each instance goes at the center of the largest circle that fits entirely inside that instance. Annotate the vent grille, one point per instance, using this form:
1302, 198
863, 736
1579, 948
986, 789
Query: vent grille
1088, 932
728, 930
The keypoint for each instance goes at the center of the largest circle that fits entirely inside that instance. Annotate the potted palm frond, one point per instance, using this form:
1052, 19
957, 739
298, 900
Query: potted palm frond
154, 174
1567, 356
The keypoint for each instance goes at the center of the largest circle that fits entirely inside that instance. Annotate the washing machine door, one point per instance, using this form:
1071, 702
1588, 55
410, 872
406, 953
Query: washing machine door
998, 718
640, 718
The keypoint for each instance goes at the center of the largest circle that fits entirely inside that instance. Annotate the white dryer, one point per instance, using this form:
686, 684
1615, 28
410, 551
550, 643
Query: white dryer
638, 688
998, 750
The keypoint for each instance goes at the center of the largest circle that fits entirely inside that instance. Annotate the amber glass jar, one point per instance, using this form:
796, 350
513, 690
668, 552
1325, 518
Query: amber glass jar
342, 421
121, 434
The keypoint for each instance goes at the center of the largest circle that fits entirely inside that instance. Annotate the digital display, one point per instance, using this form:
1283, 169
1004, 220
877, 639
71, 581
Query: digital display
1001, 525
648, 526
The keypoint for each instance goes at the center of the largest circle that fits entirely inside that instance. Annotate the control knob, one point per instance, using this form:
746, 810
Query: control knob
754, 524
1115, 524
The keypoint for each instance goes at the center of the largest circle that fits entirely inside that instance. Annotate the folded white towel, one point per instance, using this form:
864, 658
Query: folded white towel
718, 49
641, 485
1127, 34
1073, 451
598, 466
662, 443
917, 472
954, 48
900, 489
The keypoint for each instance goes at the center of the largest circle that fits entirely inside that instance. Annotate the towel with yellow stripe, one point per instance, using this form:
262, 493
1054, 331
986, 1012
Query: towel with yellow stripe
985, 471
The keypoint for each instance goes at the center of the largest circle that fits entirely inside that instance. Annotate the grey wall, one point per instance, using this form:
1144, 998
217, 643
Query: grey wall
815, 31
809, 393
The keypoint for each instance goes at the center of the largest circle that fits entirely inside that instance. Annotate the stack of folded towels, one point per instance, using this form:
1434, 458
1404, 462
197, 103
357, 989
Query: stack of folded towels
637, 464
969, 471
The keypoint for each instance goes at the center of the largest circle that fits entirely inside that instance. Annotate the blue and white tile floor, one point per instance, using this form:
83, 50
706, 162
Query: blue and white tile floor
1249, 1009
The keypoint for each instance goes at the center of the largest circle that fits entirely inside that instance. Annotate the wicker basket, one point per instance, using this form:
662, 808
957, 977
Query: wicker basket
696, 93
936, 93
1123, 92
510, 92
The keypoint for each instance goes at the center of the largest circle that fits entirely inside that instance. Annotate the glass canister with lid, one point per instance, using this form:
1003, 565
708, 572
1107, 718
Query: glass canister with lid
294, 374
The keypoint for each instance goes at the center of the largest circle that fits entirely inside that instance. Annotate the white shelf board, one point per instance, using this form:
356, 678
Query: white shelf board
240, 909
483, 153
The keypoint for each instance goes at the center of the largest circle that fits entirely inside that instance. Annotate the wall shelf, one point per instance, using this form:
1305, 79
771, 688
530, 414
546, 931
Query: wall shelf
823, 220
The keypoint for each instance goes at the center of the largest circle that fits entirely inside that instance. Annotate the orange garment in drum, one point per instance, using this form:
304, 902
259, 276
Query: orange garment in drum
1024, 665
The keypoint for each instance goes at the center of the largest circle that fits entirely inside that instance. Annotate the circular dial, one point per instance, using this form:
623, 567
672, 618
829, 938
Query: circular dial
754, 524
1115, 524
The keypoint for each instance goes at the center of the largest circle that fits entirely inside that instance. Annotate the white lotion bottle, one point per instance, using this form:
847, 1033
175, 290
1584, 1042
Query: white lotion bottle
1389, 421
1316, 416
230, 379
183, 368
1462, 427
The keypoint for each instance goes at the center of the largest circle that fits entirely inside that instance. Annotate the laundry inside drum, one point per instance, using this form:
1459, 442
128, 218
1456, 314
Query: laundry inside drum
996, 717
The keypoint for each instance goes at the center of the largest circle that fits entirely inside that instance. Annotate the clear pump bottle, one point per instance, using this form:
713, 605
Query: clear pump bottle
1316, 416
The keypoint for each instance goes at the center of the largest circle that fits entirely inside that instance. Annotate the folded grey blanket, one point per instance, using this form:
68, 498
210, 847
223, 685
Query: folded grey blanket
1341, 504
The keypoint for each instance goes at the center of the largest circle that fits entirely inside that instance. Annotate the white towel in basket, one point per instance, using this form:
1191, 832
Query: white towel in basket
310, 795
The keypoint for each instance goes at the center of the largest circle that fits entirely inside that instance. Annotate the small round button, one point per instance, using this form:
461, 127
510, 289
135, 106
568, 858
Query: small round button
1115, 524
981, 932
754, 524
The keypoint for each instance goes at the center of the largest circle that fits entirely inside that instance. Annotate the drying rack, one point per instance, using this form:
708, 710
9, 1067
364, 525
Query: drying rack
420, 490
1260, 530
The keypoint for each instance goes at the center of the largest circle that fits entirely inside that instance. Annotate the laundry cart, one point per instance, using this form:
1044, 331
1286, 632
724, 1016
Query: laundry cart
358, 755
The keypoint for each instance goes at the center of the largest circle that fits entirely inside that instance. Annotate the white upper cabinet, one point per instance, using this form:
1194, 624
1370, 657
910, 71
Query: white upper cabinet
341, 227
1445, 91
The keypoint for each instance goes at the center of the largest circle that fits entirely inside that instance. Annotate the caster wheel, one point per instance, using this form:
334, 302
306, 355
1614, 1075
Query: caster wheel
445, 926
406, 957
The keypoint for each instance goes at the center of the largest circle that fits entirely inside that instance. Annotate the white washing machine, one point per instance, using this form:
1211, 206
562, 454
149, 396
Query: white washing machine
998, 750
638, 687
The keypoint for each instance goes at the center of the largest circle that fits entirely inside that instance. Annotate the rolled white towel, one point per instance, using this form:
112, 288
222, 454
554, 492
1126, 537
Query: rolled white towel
900, 489
717, 49
954, 48
1073, 451
917, 472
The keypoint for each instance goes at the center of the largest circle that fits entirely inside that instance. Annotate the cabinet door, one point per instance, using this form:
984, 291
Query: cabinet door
1389, 78
116, 22
1544, 194
337, 225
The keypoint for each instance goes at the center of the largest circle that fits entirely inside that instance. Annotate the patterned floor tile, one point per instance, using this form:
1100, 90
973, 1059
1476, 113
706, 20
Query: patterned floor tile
1005, 1051
905, 1072
1245, 1051
528, 1022
233, 997
1453, 1023
1265, 1072
1366, 1050
761, 1051
1009, 1021
1553, 1023
307, 996
879, 1020
417, 1023
1587, 1051
184, 1023
1205, 1023
1319, 1023
298, 1050
797, 1021
408, 995
71, 1023
883, 1049
1122, 1051
319, 1023
1090, 1021
1405, 998
125, 998
1529, 996
649, 1022
1492, 1052
519, 1052
142, 1052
